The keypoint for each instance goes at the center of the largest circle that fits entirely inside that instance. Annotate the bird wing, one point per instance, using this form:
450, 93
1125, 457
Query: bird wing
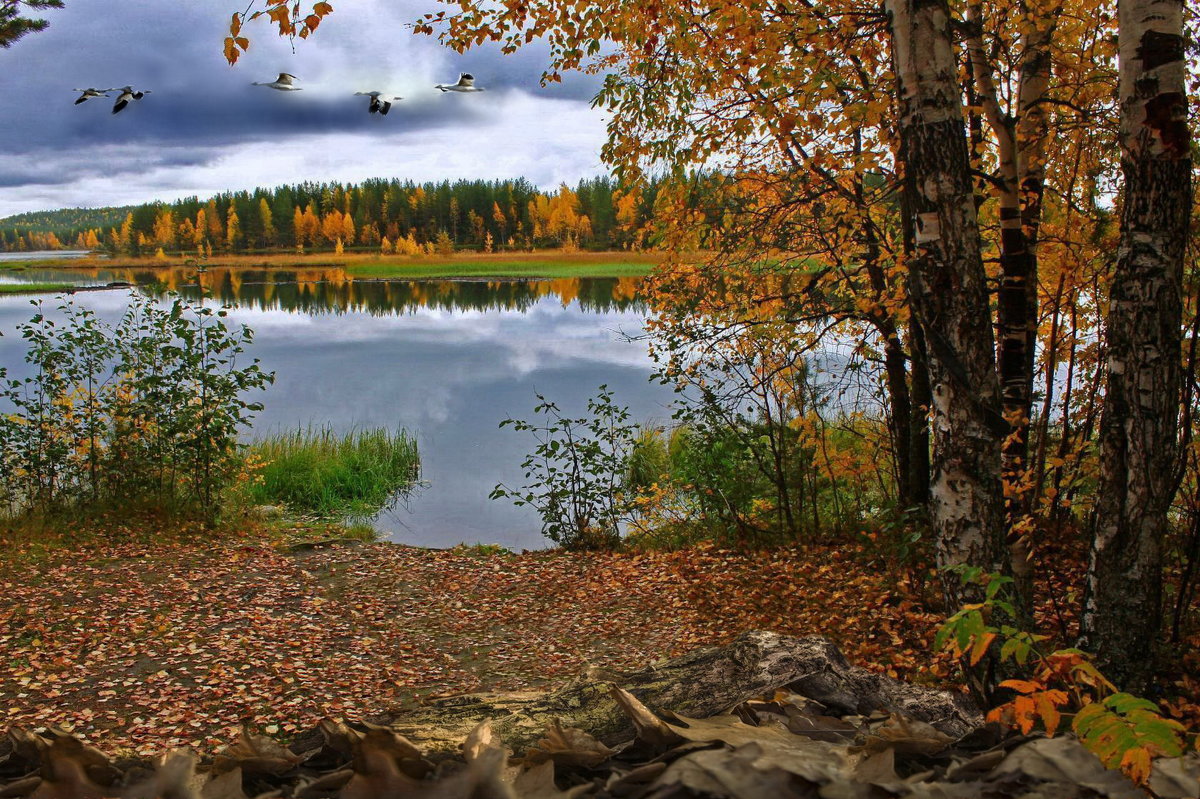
121, 103
466, 79
285, 77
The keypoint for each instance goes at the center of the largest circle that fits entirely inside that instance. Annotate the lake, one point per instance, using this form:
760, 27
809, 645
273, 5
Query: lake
42, 255
447, 360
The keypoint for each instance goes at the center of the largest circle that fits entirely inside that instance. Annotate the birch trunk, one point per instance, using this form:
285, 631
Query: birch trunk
949, 295
1138, 433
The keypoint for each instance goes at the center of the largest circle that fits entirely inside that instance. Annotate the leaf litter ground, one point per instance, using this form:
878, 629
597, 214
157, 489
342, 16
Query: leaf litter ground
143, 648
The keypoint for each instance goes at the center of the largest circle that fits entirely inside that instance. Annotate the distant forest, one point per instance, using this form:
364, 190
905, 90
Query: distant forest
391, 216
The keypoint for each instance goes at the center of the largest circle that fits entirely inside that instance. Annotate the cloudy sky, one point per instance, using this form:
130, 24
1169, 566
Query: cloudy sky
205, 129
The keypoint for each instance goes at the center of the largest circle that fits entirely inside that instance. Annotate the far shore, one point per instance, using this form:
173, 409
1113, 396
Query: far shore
542, 263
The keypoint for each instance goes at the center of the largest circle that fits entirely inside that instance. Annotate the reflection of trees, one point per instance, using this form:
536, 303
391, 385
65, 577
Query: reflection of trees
330, 290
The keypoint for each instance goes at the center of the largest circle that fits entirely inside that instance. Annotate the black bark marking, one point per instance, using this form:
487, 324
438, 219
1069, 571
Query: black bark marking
1158, 48
1166, 114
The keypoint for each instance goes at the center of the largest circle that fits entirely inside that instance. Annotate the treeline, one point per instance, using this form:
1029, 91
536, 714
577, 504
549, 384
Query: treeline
65, 222
391, 216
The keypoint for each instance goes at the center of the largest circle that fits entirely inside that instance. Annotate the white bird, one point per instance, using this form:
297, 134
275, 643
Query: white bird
283, 83
127, 94
378, 104
466, 83
90, 93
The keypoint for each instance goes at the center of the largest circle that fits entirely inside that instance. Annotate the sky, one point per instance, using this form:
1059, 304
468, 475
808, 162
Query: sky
204, 129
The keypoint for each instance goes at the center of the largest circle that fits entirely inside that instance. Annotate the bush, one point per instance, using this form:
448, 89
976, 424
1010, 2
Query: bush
144, 413
579, 473
319, 472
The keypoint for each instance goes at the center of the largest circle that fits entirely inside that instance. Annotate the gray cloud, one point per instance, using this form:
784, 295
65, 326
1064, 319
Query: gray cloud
202, 114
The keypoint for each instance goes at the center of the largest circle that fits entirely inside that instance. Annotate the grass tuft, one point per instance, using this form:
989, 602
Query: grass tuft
33, 288
318, 472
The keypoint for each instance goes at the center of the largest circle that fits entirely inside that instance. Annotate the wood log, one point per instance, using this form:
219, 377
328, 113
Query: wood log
701, 683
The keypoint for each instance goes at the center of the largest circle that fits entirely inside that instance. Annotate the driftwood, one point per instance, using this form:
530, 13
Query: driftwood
701, 683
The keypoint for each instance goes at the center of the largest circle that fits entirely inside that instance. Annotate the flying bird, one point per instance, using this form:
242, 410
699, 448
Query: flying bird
466, 83
283, 83
90, 93
378, 104
127, 94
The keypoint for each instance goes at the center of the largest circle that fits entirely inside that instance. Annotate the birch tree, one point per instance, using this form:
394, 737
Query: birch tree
1123, 607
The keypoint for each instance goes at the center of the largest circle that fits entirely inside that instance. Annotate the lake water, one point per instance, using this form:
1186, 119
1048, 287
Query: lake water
42, 255
445, 360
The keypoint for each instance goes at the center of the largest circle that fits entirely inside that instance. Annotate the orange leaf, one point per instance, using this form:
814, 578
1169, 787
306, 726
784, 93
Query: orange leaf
1048, 710
1023, 686
1023, 713
1136, 764
981, 646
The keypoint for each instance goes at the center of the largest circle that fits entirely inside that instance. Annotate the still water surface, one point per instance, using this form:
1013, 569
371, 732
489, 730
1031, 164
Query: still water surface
445, 360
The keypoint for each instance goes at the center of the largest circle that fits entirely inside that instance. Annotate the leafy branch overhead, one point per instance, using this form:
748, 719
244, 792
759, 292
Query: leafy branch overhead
13, 25
289, 17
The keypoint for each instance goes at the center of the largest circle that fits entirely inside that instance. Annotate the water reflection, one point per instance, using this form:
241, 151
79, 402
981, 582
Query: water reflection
446, 360
331, 289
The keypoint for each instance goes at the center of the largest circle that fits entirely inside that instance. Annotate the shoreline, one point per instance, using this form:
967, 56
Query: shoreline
545, 264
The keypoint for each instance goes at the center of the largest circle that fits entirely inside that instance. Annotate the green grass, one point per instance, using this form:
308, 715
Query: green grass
321, 473
543, 263
500, 269
33, 288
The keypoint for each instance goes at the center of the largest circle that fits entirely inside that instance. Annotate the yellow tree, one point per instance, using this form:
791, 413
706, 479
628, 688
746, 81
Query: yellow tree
331, 225
501, 222
200, 231
266, 217
215, 230
186, 233
233, 228
298, 227
562, 214
126, 240
165, 229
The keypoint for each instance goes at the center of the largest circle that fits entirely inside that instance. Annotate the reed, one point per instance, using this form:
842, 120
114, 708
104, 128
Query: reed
319, 472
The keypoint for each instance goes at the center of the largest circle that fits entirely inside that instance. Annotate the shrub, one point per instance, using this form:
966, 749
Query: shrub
578, 472
145, 412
